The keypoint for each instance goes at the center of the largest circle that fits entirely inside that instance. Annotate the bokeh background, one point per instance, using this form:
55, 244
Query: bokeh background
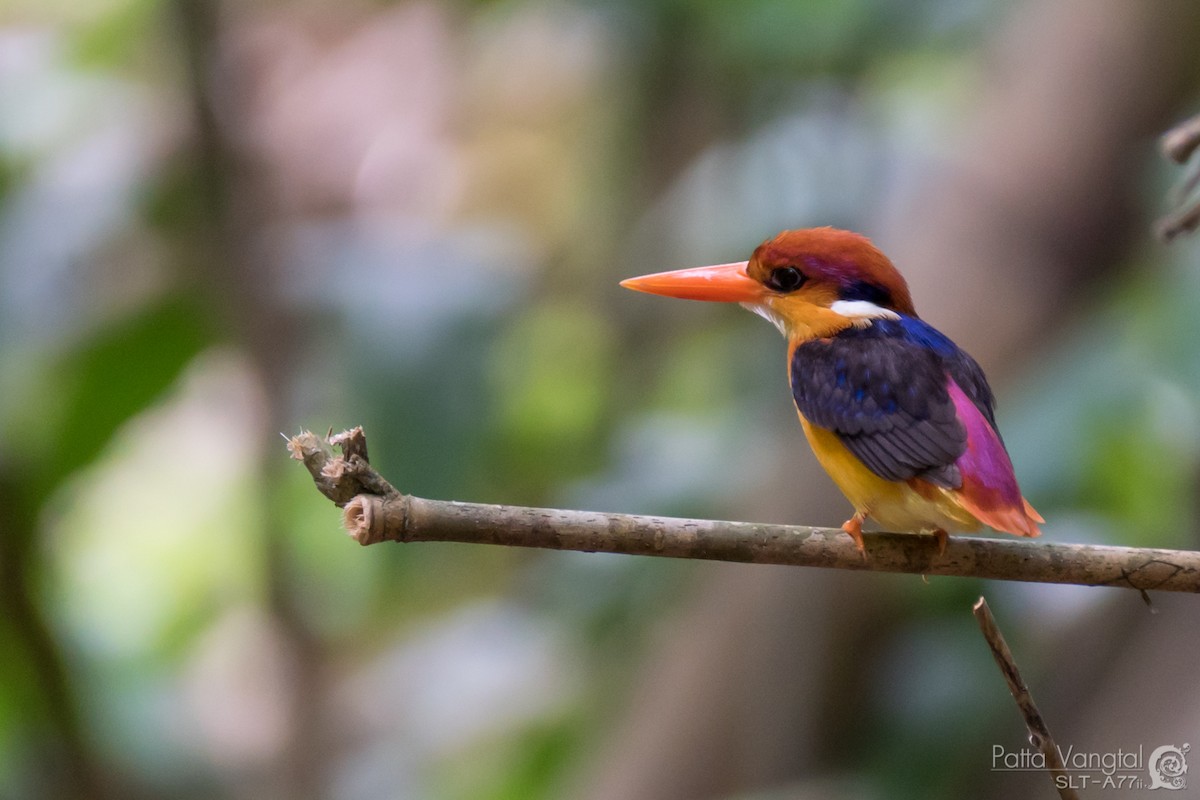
224, 221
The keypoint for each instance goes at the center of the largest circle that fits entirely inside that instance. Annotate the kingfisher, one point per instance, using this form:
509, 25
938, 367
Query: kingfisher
900, 417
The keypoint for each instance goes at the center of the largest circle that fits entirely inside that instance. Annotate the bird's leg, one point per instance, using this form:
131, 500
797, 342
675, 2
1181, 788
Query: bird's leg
942, 538
853, 526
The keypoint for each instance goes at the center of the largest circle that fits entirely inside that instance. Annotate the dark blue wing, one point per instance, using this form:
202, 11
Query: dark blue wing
965, 371
882, 390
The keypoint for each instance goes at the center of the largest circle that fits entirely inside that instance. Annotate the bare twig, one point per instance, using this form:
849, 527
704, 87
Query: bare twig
1184, 219
1180, 144
340, 478
1039, 734
376, 512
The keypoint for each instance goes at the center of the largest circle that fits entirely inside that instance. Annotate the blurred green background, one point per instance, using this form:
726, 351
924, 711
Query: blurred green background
224, 221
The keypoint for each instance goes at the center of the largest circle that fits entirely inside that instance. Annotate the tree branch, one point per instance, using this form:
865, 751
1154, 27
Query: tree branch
1039, 734
376, 512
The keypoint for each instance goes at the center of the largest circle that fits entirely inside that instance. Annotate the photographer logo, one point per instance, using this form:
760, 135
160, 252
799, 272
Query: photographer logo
1125, 769
1168, 767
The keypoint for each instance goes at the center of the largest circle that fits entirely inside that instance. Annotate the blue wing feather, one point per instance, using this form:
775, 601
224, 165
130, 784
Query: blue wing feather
883, 390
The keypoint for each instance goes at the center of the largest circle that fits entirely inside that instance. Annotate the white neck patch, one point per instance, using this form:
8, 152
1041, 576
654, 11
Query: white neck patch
767, 313
861, 312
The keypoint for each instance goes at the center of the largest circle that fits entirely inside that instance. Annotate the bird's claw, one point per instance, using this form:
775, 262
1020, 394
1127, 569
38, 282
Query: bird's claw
853, 526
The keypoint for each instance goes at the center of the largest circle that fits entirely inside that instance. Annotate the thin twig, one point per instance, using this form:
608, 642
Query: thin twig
1039, 734
1180, 144
375, 512
1184, 219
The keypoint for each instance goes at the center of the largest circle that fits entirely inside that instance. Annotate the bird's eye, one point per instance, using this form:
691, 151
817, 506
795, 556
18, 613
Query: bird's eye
786, 279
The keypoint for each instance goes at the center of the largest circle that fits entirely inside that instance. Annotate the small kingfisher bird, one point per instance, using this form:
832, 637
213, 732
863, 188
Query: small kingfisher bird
897, 414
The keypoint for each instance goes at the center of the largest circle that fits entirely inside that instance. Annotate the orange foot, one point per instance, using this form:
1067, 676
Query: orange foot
942, 539
853, 526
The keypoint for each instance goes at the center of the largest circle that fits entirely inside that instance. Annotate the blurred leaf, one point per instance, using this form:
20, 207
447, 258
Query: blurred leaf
116, 374
699, 374
551, 372
789, 34
1138, 480
10, 173
525, 766
112, 38
543, 754
18, 684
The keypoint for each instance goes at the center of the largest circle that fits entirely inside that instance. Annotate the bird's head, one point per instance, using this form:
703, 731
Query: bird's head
809, 283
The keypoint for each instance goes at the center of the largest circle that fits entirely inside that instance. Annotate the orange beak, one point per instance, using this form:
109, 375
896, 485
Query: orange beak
727, 283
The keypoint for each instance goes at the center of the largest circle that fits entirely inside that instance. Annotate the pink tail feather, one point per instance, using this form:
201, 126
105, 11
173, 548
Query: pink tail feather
989, 488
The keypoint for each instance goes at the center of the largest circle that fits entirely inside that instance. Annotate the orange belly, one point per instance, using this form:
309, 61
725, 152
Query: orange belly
894, 505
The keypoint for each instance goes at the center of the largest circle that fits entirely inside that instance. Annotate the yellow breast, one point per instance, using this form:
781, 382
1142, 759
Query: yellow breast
894, 505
